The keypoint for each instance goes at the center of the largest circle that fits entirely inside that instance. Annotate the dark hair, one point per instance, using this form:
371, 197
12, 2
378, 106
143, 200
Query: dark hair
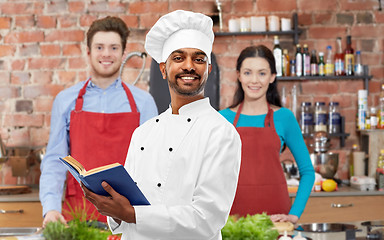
108, 24
261, 51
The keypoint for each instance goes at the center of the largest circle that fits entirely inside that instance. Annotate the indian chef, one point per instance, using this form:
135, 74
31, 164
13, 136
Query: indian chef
186, 161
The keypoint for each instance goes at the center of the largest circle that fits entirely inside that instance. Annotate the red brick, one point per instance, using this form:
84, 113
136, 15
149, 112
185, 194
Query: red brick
66, 76
7, 50
349, 86
23, 120
5, 77
86, 20
76, 7
42, 77
50, 50
377, 72
379, 16
320, 87
18, 64
131, 21
71, 50
5, 22
11, 8
56, 7
315, 5
97, 7
203, 7
367, 30
39, 136
27, 50
176, 5
305, 19
275, 5
31, 92
24, 37
148, 7
148, 20
67, 21
246, 6
326, 32
65, 35
117, 7
24, 21
323, 18
46, 21
46, 63
348, 5
20, 78
77, 63
227, 62
133, 47
220, 48
9, 92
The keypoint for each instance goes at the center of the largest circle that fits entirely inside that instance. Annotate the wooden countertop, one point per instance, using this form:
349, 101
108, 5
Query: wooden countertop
344, 191
33, 196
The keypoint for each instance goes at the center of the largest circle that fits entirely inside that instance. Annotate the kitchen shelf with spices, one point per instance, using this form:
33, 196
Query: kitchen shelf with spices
295, 32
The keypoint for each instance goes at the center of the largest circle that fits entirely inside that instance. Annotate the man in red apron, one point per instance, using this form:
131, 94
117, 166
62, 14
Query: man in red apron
262, 186
93, 121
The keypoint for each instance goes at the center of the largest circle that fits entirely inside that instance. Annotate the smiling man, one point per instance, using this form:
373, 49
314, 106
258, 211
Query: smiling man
93, 120
186, 161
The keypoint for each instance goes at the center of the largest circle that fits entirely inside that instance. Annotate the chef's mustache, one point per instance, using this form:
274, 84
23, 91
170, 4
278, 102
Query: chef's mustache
189, 72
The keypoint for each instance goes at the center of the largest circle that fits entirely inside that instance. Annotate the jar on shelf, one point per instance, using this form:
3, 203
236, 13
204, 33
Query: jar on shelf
334, 118
374, 118
320, 120
306, 118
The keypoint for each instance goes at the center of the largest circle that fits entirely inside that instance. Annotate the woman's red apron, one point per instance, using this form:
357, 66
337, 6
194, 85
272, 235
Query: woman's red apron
97, 139
262, 186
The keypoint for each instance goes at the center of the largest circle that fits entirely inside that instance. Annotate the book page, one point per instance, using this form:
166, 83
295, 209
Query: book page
99, 169
75, 164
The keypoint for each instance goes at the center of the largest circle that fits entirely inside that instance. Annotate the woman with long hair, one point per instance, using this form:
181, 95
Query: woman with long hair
265, 127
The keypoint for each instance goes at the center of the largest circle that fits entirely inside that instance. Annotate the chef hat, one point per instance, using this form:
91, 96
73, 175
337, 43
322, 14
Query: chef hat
180, 29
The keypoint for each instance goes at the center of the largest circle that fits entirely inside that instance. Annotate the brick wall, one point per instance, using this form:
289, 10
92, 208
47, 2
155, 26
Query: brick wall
42, 51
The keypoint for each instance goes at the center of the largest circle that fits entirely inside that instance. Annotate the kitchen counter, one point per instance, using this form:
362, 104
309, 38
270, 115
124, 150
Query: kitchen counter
33, 196
344, 191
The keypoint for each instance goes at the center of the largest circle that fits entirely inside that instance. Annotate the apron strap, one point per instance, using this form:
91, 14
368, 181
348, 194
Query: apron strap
268, 121
80, 100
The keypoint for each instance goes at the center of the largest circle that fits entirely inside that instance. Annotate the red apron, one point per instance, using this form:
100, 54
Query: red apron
262, 186
97, 139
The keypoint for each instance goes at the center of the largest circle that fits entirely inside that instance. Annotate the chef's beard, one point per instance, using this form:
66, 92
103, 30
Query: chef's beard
175, 86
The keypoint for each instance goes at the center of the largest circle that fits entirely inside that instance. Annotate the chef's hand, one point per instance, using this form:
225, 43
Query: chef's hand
53, 216
284, 218
115, 206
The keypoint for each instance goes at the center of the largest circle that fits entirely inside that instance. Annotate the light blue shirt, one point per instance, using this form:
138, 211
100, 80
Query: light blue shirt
110, 100
288, 129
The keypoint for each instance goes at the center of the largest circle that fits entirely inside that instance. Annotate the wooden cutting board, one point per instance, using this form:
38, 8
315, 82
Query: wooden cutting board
14, 189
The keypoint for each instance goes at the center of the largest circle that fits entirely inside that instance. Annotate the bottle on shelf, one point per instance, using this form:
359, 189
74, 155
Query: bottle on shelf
373, 117
306, 118
358, 65
314, 66
381, 108
292, 65
367, 119
286, 67
278, 54
329, 67
380, 171
339, 59
349, 58
294, 101
320, 119
334, 118
321, 65
362, 107
299, 61
306, 61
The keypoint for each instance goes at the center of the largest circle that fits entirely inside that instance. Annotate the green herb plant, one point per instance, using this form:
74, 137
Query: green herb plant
251, 227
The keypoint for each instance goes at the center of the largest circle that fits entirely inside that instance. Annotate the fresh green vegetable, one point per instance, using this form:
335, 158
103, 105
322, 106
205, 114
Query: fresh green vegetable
75, 230
255, 227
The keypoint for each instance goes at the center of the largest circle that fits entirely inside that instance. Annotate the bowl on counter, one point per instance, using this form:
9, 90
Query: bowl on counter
325, 164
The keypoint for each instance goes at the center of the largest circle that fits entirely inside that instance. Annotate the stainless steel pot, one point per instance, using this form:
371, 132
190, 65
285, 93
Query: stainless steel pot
319, 142
325, 163
325, 227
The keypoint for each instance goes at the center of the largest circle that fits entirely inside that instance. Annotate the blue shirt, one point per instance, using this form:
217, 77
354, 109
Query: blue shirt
289, 132
110, 100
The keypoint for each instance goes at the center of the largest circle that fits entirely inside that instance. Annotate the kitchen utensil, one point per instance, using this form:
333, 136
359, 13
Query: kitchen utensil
325, 227
359, 163
325, 163
319, 142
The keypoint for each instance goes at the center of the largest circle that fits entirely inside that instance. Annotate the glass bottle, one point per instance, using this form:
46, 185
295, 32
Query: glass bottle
306, 61
380, 171
334, 118
373, 117
299, 61
381, 107
329, 67
355, 148
286, 67
339, 59
321, 65
306, 118
320, 119
314, 66
292, 65
349, 57
358, 65
278, 54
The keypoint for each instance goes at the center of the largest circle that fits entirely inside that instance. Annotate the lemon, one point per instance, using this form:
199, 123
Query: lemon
329, 185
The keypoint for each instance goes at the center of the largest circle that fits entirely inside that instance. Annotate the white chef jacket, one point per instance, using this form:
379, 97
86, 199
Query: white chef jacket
187, 166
